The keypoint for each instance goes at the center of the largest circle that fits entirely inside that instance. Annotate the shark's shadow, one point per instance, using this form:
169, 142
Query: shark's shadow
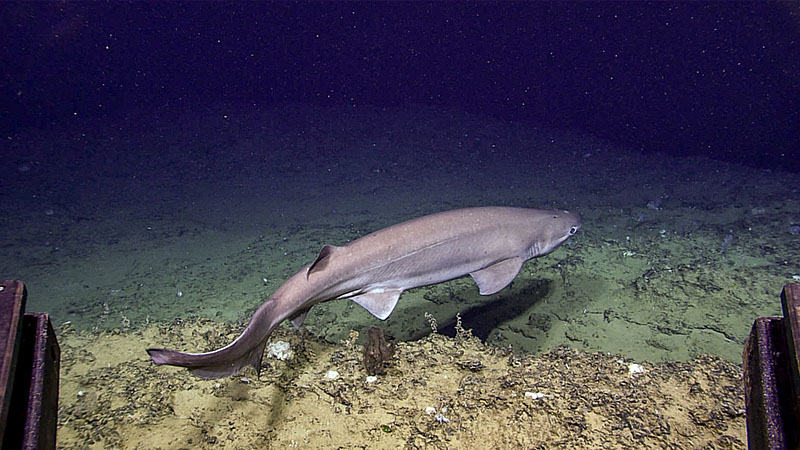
484, 318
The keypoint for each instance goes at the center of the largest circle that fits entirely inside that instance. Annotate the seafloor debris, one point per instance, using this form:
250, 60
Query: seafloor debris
377, 352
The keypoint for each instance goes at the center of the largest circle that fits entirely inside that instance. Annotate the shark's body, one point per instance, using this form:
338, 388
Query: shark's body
489, 243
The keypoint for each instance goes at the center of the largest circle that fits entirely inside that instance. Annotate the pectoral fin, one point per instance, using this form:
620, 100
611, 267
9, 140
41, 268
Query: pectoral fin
379, 303
497, 276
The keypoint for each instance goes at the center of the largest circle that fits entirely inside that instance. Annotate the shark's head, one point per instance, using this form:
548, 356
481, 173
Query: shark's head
552, 229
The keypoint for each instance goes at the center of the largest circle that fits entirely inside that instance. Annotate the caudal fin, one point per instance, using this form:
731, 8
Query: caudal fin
245, 350
211, 365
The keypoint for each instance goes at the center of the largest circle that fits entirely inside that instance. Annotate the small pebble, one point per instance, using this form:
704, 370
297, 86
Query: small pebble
634, 369
441, 418
536, 395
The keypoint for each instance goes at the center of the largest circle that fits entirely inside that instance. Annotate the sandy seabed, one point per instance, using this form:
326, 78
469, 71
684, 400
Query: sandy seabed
170, 230
438, 392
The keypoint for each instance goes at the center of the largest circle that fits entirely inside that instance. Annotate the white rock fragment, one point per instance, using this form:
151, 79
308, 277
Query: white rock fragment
279, 350
245, 380
634, 369
441, 418
371, 379
332, 375
537, 395
430, 410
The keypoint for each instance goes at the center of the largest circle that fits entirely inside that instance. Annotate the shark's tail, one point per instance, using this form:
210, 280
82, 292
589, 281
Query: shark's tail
246, 350
209, 365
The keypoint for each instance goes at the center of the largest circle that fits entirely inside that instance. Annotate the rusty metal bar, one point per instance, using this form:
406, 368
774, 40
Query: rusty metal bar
31, 362
771, 377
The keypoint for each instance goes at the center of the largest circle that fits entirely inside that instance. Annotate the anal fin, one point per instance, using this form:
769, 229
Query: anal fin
299, 317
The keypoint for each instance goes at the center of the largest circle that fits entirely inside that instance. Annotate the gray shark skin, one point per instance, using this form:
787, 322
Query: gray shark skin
489, 243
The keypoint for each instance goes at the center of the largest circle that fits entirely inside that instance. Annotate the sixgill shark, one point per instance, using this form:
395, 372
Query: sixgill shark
489, 243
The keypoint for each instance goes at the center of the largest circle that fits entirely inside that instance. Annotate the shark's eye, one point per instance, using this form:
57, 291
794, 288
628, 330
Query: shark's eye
573, 230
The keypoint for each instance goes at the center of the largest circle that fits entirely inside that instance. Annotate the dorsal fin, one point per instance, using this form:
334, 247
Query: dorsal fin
322, 260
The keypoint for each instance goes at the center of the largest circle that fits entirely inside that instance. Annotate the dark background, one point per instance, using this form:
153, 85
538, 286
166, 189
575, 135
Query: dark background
719, 79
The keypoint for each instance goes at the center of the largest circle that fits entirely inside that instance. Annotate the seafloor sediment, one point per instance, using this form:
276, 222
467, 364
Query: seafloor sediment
438, 392
136, 233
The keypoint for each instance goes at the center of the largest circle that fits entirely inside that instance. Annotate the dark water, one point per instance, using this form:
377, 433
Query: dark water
165, 161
